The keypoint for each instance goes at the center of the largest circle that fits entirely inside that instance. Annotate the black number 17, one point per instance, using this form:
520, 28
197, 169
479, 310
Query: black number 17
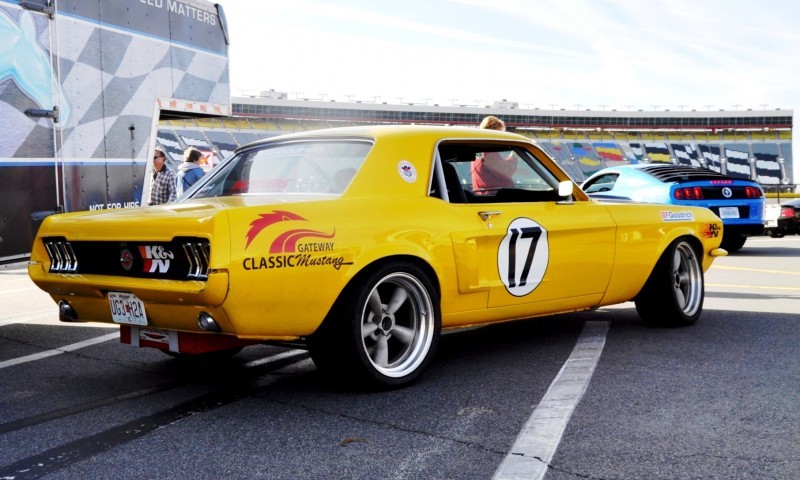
528, 232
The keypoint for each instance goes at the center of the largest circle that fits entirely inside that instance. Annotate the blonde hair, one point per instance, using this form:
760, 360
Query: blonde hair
493, 123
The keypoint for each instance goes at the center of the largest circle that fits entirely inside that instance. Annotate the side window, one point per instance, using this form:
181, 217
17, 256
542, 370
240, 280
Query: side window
603, 183
494, 173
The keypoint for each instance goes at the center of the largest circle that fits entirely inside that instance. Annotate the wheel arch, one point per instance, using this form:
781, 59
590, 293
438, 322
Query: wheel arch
376, 264
695, 242
655, 305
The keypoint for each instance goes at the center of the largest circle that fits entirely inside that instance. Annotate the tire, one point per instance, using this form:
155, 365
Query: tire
774, 234
733, 243
383, 330
674, 293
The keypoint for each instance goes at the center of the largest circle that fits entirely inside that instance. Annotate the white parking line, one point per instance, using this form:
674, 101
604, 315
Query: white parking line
536, 444
59, 351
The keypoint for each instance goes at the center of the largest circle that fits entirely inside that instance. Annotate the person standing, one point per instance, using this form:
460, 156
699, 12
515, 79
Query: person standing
189, 171
162, 188
491, 171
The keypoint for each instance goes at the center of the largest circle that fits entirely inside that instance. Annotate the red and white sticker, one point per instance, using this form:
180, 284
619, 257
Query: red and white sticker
407, 171
523, 256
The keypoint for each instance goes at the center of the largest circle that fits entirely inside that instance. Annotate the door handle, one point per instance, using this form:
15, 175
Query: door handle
488, 214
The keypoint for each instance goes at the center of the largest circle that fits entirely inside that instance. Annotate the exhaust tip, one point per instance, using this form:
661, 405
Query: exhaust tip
66, 313
206, 322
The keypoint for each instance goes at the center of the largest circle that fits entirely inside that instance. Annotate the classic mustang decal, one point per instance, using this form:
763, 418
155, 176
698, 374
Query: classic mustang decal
522, 257
287, 243
156, 258
292, 261
267, 219
667, 216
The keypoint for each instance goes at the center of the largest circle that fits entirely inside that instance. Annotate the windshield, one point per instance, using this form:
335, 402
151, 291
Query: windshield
309, 167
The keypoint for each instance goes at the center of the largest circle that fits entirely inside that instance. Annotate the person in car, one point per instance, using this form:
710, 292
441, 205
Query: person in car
490, 170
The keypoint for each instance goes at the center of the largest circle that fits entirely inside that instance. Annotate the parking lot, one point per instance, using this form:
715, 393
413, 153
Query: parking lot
715, 400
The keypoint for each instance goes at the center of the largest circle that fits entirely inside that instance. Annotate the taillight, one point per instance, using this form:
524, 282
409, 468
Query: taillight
62, 256
753, 192
786, 212
688, 193
197, 253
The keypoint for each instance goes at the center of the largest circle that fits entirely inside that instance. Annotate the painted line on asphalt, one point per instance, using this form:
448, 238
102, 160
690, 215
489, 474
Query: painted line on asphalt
60, 458
748, 287
59, 351
533, 450
761, 270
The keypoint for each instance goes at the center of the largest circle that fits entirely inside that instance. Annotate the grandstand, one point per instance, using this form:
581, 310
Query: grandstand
745, 143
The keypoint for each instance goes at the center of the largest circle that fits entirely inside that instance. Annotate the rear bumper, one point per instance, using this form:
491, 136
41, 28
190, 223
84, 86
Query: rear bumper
179, 342
169, 304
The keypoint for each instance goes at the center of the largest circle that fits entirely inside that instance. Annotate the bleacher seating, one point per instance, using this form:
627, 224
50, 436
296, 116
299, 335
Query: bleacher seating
610, 153
579, 152
686, 154
235, 123
657, 152
208, 122
223, 141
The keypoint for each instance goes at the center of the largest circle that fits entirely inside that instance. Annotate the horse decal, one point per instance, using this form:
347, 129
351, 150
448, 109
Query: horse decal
28, 64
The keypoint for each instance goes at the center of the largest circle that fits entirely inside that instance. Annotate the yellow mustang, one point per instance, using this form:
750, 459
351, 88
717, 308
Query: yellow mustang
363, 243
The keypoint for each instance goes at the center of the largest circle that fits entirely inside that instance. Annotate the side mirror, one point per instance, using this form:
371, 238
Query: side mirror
565, 188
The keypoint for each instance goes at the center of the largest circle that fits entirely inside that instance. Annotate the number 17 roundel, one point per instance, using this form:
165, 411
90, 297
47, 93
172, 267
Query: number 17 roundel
522, 256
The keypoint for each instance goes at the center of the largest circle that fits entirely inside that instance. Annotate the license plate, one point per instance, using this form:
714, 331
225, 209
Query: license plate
127, 308
728, 212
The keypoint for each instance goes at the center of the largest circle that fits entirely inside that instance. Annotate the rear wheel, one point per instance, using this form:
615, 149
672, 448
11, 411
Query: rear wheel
674, 293
383, 330
733, 243
775, 234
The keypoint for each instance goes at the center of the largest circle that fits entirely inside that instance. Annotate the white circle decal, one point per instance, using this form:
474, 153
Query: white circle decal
407, 171
522, 256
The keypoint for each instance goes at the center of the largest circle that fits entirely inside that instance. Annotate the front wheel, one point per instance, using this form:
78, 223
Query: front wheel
384, 328
674, 293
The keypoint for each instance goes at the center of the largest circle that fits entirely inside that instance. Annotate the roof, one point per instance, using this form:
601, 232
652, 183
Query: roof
376, 131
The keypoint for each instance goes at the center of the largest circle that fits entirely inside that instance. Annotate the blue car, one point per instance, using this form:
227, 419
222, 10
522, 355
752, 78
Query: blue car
739, 203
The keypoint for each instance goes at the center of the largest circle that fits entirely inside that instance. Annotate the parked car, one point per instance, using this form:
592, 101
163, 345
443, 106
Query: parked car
739, 203
783, 219
362, 244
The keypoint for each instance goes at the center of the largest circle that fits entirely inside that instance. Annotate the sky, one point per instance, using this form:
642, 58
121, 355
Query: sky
573, 54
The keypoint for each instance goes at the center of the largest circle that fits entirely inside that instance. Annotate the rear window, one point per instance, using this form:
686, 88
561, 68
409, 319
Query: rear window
311, 167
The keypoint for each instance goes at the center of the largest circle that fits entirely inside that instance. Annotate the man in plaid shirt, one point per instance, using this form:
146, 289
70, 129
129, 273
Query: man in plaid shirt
163, 188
